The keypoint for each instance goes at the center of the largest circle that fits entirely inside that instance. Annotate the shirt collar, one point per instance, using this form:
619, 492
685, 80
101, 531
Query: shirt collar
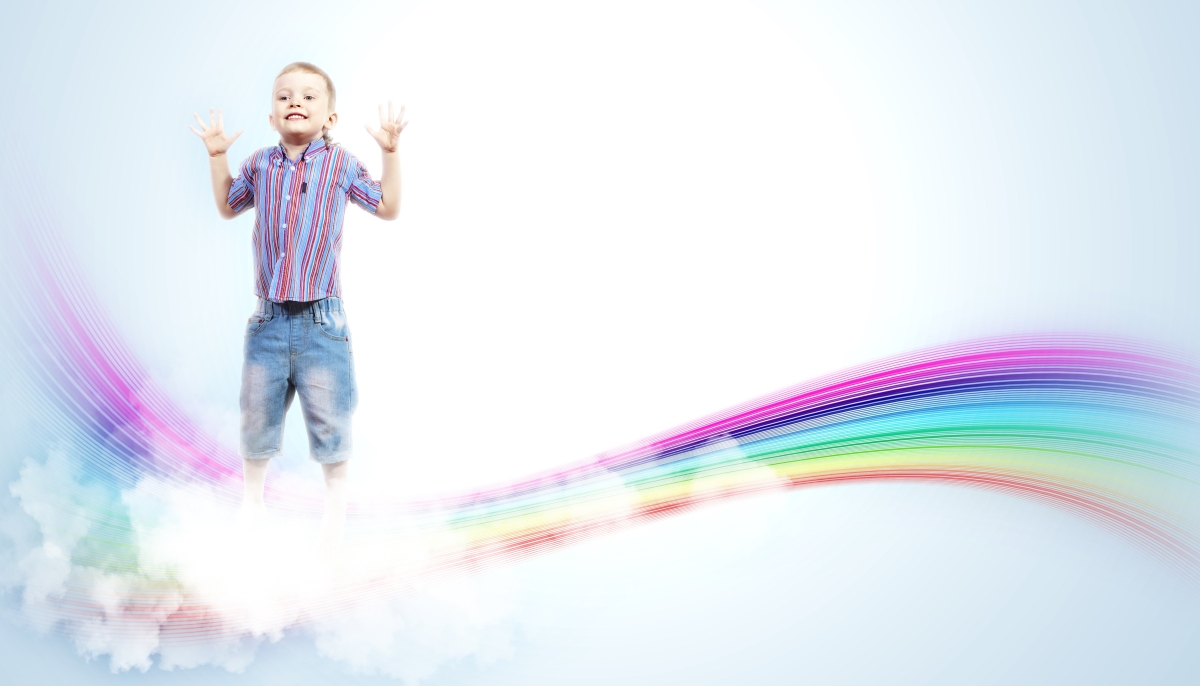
312, 149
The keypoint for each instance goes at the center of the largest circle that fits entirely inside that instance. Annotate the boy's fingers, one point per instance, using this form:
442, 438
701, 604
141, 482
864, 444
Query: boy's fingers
193, 130
234, 136
220, 118
391, 118
382, 121
199, 121
212, 118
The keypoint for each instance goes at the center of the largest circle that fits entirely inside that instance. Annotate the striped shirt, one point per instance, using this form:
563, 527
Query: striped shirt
300, 206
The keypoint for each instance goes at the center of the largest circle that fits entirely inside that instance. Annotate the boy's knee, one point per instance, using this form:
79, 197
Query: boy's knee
335, 471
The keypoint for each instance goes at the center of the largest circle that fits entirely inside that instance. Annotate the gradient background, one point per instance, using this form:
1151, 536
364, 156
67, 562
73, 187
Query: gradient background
620, 216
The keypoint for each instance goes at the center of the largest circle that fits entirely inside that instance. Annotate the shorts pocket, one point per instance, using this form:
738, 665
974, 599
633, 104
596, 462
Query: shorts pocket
333, 326
256, 323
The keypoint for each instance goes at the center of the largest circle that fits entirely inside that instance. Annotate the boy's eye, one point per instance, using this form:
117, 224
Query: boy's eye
310, 97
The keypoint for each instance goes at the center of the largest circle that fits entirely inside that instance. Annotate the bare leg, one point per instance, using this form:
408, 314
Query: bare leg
254, 479
334, 521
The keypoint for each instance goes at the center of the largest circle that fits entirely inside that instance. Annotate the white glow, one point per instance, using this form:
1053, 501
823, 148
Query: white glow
617, 217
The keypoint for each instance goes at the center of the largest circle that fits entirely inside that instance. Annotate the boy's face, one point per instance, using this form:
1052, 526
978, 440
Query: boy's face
300, 107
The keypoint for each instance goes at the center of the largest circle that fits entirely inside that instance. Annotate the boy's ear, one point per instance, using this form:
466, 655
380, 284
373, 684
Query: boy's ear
332, 121
271, 121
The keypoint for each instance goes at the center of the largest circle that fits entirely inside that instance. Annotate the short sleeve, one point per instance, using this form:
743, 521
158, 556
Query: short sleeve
241, 191
364, 191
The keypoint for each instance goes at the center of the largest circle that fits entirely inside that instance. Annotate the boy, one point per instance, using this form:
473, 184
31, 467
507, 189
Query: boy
297, 341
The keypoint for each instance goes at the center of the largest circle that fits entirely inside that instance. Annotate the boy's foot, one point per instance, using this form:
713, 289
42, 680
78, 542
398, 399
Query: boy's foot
329, 536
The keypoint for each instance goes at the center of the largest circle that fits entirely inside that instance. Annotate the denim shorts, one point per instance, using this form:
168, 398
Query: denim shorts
298, 349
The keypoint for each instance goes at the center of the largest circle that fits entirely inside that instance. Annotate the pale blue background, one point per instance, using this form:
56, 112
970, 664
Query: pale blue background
1033, 167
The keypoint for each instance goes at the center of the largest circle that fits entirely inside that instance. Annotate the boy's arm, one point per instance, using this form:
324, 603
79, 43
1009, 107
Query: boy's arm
388, 138
217, 143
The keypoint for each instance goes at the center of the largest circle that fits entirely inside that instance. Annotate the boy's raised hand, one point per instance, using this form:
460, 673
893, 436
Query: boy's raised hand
213, 134
388, 133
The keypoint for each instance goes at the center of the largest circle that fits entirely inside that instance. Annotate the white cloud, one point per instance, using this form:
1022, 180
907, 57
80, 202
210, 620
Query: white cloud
194, 567
411, 637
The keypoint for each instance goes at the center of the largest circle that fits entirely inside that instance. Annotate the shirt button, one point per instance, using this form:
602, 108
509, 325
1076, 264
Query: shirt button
287, 197
284, 225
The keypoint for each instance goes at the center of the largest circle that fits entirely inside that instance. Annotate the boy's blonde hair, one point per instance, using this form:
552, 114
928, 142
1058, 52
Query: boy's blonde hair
310, 68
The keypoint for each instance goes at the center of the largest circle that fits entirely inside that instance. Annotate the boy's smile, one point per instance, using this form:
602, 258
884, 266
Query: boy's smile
300, 108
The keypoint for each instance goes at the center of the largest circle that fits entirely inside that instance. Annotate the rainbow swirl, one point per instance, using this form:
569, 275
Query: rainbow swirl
1101, 427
